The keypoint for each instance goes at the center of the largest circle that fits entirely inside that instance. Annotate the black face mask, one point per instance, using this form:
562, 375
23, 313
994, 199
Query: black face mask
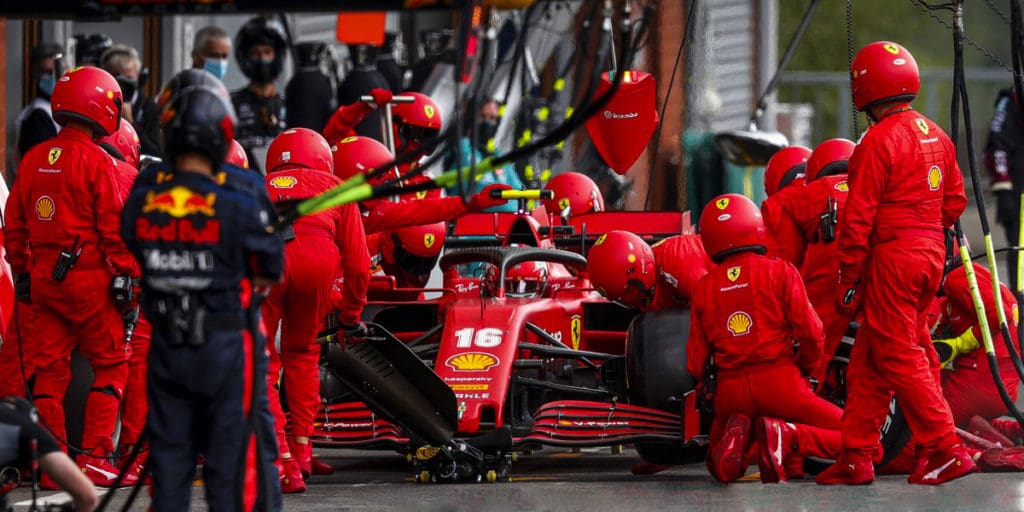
485, 131
128, 88
263, 72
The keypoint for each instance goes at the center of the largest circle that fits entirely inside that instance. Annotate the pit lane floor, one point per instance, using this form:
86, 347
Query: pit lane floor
598, 480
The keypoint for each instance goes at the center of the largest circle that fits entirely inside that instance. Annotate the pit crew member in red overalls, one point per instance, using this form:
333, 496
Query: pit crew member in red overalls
905, 187
301, 166
125, 147
751, 321
806, 227
64, 248
625, 269
783, 181
404, 236
966, 380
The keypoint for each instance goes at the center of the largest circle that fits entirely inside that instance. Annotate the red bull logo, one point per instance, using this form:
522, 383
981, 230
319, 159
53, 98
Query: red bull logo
180, 202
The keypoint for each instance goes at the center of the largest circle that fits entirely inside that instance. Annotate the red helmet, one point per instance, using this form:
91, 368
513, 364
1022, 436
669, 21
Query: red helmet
621, 266
829, 158
575, 194
300, 147
358, 155
414, 249
89, 95
236, 155
526, 280
417, 121
123, 144
883, 71
731, 223
784, 167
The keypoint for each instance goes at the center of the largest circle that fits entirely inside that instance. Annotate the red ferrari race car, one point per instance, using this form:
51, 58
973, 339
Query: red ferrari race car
516, 351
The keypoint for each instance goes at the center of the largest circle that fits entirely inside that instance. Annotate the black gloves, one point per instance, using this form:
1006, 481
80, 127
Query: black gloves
357, 331
23, 288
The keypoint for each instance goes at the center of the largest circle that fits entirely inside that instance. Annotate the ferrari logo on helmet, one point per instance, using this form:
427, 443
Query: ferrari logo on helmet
733, 273
564, 203
600, 240
922, 125
428, 240
891, 48
842, 186
54, 155
422, 194
722, 203
934, 178
284, 182
631, 257
1015, 313
739, 323
429, 111
346, 140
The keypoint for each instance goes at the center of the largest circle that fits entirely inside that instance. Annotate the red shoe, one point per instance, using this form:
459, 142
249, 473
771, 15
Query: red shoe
728, 461
775, 439
1009, 427
1002, 459
944, 465
646, 468
319, 467
303, 455
988, 432
291, 477
100, 472
849, 469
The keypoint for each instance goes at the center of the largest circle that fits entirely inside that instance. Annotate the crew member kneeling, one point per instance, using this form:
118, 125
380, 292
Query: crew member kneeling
752, 324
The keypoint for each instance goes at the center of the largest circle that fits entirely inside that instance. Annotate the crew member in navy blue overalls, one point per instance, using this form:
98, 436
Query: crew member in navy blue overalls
201, 245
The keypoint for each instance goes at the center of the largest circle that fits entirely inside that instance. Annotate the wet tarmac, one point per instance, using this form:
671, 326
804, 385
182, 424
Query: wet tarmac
596, 480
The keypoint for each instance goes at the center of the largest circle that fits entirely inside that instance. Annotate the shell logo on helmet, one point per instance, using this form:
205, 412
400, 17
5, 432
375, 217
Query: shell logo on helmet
45, 208
54, 155
428, 240
922, 125
631, 257
733, 273
284, 182
472, 362
722, 203
739, 323
934, 178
